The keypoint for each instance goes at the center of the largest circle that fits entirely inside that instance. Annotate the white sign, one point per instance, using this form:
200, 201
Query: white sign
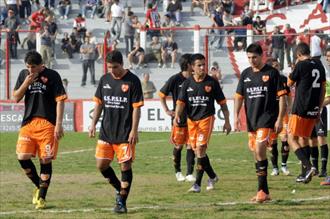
153, 117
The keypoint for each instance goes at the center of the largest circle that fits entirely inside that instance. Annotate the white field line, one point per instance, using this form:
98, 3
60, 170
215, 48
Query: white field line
154, 207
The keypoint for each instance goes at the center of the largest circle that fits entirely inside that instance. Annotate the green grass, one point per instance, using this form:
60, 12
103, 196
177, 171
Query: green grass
78, 190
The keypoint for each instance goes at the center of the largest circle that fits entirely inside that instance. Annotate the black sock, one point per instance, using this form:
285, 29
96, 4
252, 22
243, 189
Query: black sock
177, 159
324, 156
315, 157
262, 176
307, 152
274, 157
110, 175
190, 158
302, 157
199, 172
30, 171
45, 169
126, 181
207, 167
285, 152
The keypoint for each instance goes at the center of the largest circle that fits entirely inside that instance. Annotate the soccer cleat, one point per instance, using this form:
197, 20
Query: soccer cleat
120, 207
180, 177
323, 173
190, 178
309, 175
41, 203
35, 196
300, 179
326, 182
316, 172
195, 188
261, 197
275, 172
211, 182
285, 170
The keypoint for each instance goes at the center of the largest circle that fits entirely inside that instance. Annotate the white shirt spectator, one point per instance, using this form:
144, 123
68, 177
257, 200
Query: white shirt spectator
316, 49
117, 10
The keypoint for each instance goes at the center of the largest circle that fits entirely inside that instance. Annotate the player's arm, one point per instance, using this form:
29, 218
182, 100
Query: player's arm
238, 102
322, 97
225, 111
326, 101
162, 99
133, 135
19, 93
178, 111
59, 133
282, 109
96, 116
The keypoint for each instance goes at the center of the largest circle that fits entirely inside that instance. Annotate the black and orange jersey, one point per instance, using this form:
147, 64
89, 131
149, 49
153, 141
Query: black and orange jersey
118, 98
42, 95
199, 97
173, 86
284, 81
260, 91
309, 76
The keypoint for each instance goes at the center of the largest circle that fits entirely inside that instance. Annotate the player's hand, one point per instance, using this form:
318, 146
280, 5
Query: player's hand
278, 126
170, 113
30, 78
91, 131
237, 125
226, 128
58, 132
133, 137
176, 120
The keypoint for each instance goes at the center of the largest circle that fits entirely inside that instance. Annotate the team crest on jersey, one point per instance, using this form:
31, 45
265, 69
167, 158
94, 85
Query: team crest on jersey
124, 87
265, 78
208, 88
44, 79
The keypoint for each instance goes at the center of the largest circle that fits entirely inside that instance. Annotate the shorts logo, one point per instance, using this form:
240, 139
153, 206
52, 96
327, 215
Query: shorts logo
265, 78
44, 79
124, 87
48, 149
208, 89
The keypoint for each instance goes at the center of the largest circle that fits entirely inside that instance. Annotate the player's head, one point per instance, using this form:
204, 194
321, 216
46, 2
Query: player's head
33, 62
254, 54
274, 63
185, 62
302, 50
114, 60
327, 55
198, 64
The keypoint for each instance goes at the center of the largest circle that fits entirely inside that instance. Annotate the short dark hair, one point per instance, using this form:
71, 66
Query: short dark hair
114, 57
196, 56
254, 48
130, 13
303, 49
327, 49
185, 61
33, 58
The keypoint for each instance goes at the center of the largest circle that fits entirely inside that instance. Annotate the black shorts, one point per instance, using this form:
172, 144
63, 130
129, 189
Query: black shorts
321, 128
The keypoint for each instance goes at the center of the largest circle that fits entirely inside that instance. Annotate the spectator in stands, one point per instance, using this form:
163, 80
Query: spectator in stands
49, 12
37, 19
174, 9
246, 11
215, 72
117, 18
259, 26
66, 46
53, 31
240, 38
75, 41
87, 52
247, 18
207, 5
80, 24
219, 33
25, 9
30, 40
129, 32
155, 51
136, 56
65, 83
290, 44
12, 25
229, 6
13, 5
50, 4
148, 87
196, 3
317, 44
152, 20
46, 46
107, 9
64, 8
276, 48
228, 20
167, 24
90, 5
169, 49
305, 37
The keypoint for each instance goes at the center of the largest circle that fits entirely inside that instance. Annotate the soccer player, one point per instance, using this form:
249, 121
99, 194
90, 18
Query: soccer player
284, 133
179, 135
309, 77
119, 96
259, 87
197, 97
42, 128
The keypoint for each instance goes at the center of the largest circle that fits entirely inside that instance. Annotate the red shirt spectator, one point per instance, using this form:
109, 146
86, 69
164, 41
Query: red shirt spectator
305, 37
290, 35
37, 19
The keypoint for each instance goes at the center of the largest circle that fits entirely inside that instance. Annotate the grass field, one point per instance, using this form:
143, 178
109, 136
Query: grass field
79, 191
